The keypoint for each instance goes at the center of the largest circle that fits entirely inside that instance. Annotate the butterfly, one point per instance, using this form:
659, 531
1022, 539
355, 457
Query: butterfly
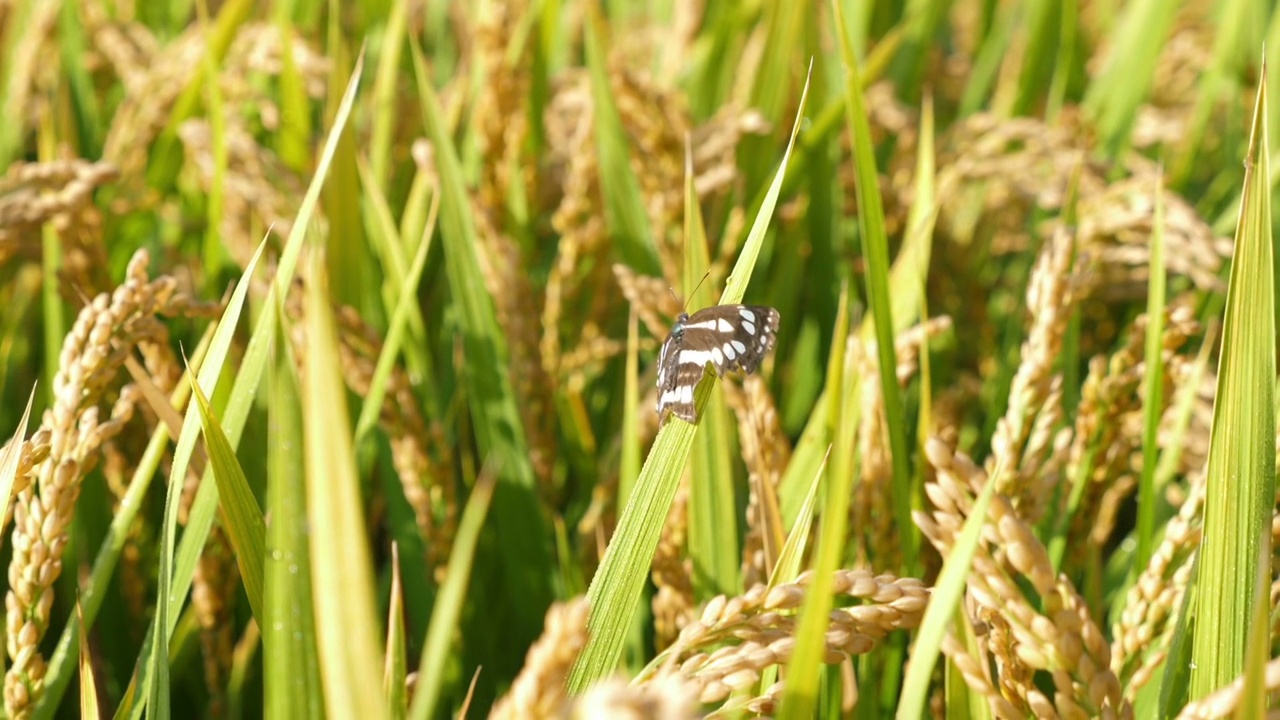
730, 337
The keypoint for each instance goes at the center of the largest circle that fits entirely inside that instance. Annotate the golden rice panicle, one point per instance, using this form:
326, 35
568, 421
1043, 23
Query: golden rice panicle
258, 190
149, 97
1021, 441
1114, 228
650, 296
578, 219
58, 191
665, 696
766, 453
501, 132
501, 120
104, 333
34, 451
34, 61
539, 689
1016, 165
977, 677
1062, 640
763, 624
1144, 632
672, 573
1107, 441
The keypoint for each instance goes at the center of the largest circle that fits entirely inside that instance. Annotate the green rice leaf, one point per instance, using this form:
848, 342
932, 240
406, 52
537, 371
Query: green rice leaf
1154, 379
449, 603
394, 668
1240, 483
406, 305
623, 204
347, 629
1124, 82
800, 697
9, 457
944, 603
875, 245
241, 516
155, 680
292, 683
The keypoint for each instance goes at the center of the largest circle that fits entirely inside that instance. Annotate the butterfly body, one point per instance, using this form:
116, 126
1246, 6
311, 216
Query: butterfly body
729, 337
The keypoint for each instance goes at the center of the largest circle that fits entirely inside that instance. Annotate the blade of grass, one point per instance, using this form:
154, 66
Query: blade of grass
406, 304
342, 571
156, 689
448, 605
805, 460
800, 697
385, 92
9, 457
1254, 687
875, 245
88, 684
1154, 379
392, 251
944, 602
292, 684
791, 557
394, 666
241, 516
244, 667
52, 310
1240, 483
616, 586
1116, 93
624, 209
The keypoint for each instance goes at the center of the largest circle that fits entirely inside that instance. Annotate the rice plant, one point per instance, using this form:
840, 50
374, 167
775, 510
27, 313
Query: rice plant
332, 335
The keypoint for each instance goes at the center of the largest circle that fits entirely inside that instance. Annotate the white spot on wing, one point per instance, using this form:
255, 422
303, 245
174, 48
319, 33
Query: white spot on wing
747, 314
723, 325
751, 329
707, 325
695, 357
737, 346
729, 353
717, 356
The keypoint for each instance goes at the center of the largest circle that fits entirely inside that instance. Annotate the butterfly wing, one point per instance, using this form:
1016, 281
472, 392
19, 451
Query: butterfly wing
729, 337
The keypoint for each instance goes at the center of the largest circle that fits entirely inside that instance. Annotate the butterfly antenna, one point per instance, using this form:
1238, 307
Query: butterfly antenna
685, 305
